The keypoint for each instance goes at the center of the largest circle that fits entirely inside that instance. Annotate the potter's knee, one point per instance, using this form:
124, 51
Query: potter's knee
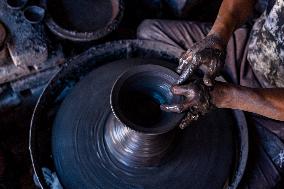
146, 29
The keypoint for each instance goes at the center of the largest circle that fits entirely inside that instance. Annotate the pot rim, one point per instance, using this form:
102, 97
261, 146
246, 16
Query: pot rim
114, 99
77, 36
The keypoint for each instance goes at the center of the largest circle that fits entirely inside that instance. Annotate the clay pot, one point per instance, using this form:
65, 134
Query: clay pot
137, 95
135, 100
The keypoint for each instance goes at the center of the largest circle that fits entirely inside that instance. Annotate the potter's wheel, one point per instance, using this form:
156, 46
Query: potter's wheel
202, 157
70, 118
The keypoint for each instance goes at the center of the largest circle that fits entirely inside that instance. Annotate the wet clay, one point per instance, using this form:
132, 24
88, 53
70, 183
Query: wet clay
137, 95
81, 16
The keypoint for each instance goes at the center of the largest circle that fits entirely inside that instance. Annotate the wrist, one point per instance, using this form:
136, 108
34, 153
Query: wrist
223, 28
221, 35
222, 94
216, 41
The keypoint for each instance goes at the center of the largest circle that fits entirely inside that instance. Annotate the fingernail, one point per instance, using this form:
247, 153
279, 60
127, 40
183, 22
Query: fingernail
173, 89
179, 81
163, 107
207, 82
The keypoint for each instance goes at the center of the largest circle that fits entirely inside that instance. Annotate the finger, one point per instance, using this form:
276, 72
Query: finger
187, 72
181, 66
184, 123
185, 90
209, 79
177, 108
188, 119
183, 61
179, 90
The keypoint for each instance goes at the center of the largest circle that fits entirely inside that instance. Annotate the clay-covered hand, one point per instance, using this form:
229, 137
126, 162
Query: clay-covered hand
208, 54
196, 103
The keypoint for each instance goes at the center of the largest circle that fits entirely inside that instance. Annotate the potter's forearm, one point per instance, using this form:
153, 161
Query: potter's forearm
232, 14
266, 102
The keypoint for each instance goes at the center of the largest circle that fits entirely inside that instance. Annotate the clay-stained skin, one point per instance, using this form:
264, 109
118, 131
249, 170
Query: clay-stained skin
197, 101
209, 53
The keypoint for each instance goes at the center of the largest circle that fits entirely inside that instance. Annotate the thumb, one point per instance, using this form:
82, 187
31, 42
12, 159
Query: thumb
209, 79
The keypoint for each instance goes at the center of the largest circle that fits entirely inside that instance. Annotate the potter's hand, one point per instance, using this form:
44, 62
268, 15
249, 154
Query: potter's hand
197, 101
207, 54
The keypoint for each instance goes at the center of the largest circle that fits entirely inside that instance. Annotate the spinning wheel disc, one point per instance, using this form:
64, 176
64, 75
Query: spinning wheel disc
203, 155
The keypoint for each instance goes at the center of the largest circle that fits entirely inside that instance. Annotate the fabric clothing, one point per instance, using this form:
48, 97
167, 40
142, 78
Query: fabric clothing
237, 70
266, 46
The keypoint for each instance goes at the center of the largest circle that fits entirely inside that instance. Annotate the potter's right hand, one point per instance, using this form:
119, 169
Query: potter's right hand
209, 53
197, 101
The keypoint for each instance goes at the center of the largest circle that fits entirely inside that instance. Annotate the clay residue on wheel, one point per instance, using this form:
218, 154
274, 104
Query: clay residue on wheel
81, 16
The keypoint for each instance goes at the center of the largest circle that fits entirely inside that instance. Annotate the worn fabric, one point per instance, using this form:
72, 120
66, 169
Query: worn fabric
237, 70
266, 46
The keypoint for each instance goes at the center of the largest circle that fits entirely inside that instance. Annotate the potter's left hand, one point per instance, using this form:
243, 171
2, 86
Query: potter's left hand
208, 55
197, 101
